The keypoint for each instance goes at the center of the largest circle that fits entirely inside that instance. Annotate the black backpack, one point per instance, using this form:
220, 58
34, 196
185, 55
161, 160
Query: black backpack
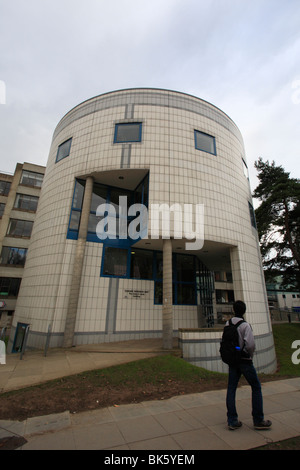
229, 349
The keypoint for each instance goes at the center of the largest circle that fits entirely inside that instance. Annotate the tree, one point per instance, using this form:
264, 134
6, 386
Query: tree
278, 222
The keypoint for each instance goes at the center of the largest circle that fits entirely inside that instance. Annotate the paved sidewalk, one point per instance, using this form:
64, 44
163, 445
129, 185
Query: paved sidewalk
189, 422
186, 422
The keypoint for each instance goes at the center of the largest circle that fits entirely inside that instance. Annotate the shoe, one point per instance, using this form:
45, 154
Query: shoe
263, 425
235, 425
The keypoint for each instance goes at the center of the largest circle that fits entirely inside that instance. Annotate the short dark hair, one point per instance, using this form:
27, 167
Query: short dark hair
239, 308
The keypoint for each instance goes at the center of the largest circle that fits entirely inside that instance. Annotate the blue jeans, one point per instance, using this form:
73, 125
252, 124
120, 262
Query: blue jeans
249, 372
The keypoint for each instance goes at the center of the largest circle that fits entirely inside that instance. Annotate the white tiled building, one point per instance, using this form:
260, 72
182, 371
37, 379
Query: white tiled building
152, 146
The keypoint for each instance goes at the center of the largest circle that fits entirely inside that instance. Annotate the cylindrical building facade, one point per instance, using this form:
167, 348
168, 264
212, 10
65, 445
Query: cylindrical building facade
122, 151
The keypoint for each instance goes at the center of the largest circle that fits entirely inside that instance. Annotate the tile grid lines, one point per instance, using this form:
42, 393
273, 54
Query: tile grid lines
154, 99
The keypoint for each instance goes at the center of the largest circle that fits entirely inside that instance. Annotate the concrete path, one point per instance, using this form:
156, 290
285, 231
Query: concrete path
35, 368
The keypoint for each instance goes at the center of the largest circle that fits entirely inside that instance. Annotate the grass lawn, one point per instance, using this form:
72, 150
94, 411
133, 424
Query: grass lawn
284, 335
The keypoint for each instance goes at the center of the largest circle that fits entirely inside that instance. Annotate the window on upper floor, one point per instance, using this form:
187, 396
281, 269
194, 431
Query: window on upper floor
63, 150
2, 208
128, 132
13, 256
109, 195
205, 142
30, 178
26, 203
4, 188
9, 286
20, 228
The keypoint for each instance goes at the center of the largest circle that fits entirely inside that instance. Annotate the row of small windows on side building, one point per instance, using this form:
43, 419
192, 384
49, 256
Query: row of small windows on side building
23, 202
28, 178
132, 132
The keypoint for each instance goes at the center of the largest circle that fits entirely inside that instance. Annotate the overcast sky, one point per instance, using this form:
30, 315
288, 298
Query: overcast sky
243, 56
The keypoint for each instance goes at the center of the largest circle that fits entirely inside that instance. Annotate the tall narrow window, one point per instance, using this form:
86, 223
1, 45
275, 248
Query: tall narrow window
205, 142
63, 150
245, 168
141, 264
252, 215
2, 208
128, 132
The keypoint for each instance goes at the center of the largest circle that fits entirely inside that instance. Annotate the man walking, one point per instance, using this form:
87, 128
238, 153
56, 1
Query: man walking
245, 367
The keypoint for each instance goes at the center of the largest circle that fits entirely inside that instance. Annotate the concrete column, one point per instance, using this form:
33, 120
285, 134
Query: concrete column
167, 312
78, 263
236, 274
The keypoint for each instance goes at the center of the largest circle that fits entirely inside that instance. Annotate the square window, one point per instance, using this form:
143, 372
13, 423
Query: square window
128, 132
205, 142
63, 150
114, 262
